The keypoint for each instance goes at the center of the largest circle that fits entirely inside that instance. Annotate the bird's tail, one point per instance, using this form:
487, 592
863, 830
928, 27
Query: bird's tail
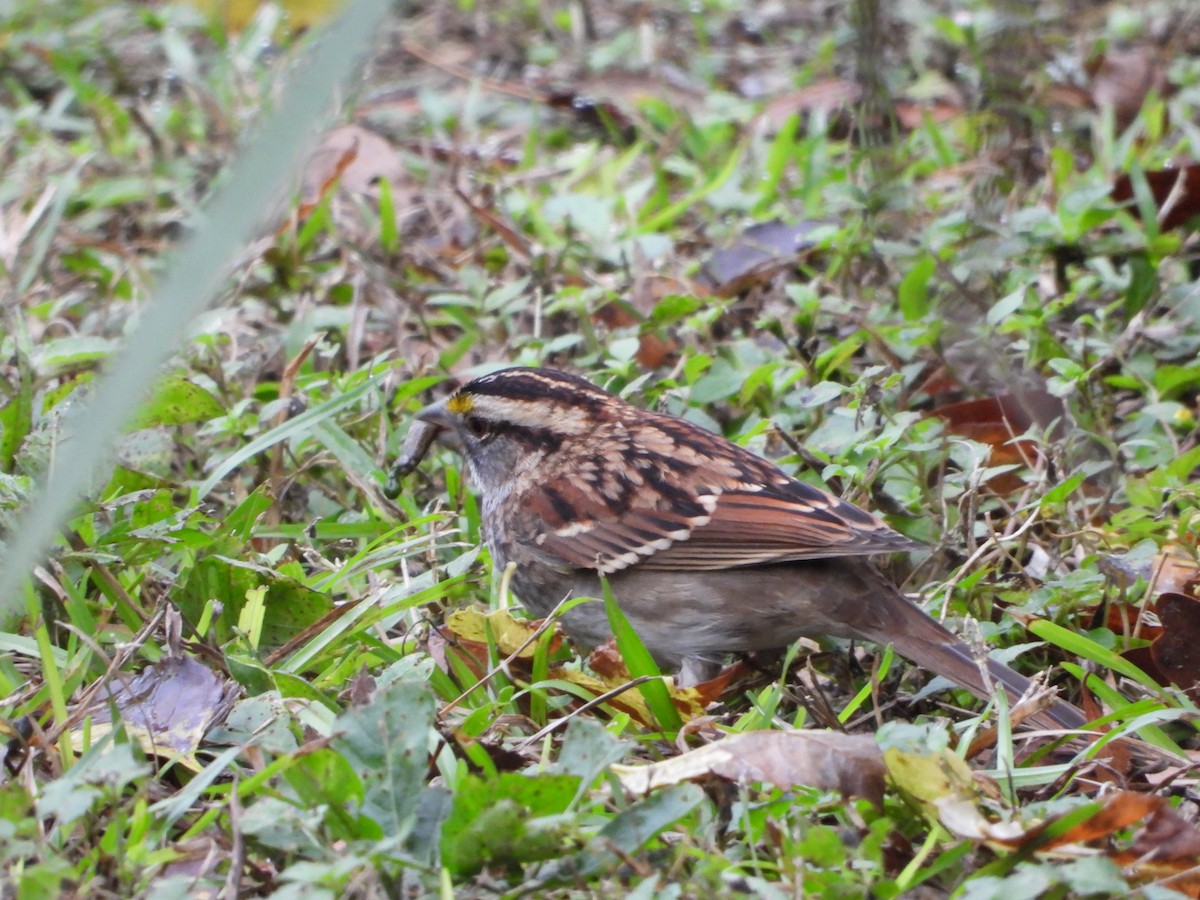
923, 640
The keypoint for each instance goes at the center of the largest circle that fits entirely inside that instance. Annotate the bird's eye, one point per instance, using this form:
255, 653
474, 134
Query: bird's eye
477, 426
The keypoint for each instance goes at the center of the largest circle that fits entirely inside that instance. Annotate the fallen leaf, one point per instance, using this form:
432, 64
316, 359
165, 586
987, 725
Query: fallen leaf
829, 95
510, 633
999, 423
691, 702
1166, 848
1176, 194
1176, 652
1119, 811
762, 251
167, 708
933, 779
1122, 79
654, 350
1167, 835
352, 156
912, 116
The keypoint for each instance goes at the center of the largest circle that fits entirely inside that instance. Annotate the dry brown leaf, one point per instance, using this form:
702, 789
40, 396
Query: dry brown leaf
996, 422
912, 116
1176, 652
167, 708
654, 350
360, 158
1176, 194
1122, 79
1168, 836
828, 95
1166, 848
762, 251
691, 702
1121, 810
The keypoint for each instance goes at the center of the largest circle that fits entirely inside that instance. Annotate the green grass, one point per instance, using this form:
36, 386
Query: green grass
361, 742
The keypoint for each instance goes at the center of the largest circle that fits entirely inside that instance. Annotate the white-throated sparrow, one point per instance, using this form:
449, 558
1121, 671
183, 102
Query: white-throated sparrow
707, 548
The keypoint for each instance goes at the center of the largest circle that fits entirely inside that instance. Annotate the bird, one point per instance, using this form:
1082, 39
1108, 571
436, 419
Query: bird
707, 548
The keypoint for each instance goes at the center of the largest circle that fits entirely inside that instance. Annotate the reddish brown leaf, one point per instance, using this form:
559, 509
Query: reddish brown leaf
471, 654
654, 350
1168, 836
1126, 620
1122, 79
1176, 652
512, 238
1143, 658
997, 421
607, 662
1120, 811
1176, 194
912, 115
1175, 572
1167, 850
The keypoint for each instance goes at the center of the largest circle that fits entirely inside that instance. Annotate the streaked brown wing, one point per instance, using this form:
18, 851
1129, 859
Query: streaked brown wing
764, 527
785, 521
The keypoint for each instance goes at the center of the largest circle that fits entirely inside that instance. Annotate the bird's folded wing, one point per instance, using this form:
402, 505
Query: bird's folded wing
707, 530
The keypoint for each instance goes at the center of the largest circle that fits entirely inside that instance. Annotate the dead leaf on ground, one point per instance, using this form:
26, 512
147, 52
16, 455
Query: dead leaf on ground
932, 779
1122, 79
607, 662
912, 115
655, 349
999, 423
167, 708
1176, 194
828, 96
1173, 569
1173, 657
510, 633
470, 628
827, 760
1166, 847
1167, 835
1176, 651
762, 251
357, 156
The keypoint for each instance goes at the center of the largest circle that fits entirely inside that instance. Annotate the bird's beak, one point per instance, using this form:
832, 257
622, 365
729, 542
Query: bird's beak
437, 414
433, 423
443, 422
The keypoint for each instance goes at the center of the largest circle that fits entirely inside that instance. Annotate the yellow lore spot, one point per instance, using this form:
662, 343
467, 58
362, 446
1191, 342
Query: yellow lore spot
459, 404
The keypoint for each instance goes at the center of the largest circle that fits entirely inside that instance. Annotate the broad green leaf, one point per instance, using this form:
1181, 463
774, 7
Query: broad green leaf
508, 820
175, 402
387, 743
